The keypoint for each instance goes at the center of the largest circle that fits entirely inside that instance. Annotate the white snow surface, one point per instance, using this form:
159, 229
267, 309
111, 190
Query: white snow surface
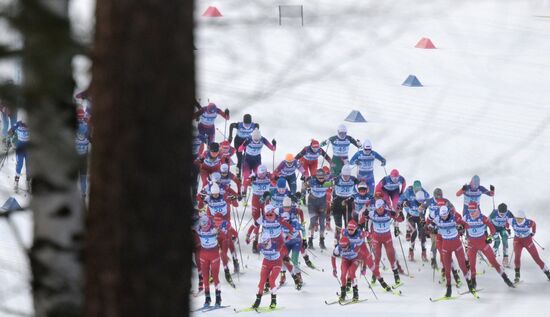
484, 109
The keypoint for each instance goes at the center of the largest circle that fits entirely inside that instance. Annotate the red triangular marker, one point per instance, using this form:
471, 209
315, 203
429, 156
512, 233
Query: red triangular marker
425, 43
212, 12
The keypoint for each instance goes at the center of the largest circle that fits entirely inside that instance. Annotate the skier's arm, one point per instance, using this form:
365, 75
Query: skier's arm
198, 113
461, 190
223, 114
489, 224
301, 154
244, 145
354, 158
354, 141
326, 156
403, 185
533, 227
231, 127
268, 144
379, 157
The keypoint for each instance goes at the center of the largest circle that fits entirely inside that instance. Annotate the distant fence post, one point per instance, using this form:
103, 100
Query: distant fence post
291, 11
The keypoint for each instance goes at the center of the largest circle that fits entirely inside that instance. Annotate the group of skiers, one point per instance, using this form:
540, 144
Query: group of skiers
363, 213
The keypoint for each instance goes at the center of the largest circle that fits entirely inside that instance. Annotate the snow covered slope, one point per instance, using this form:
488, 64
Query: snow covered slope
484, 109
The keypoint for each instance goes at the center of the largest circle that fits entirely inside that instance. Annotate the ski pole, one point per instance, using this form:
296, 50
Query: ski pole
538, 244
273, 164
323, 161
244, 209
385, 172
225, 130
238, 239
220, 131
370, 286
403, 251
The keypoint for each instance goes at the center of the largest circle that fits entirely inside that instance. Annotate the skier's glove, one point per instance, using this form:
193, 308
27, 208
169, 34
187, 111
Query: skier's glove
383, 163
335, 273
274, 142
247, 240
489, 239
492, 188
464, 187
226, 111
304, 244
396, 231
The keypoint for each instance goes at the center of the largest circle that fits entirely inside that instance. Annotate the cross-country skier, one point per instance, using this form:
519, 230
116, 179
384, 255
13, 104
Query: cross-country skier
351, 261
309, 157
317, 186
20, 136
209, 162
209, 254
293, 241
473, 192
226, 235
271, 266
479, 241
197, 148
448, 225
392, 187
524, 230
260, 183
244, 131
499, 217
287, 170
82, 142
252, 148
206, 117
410, 202
342, 202
340, 148
381, 218
364, 159
227, 177
362, 200
220, 204
227, 152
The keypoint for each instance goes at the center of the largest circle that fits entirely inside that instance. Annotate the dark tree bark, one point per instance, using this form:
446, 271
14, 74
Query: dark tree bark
138, 240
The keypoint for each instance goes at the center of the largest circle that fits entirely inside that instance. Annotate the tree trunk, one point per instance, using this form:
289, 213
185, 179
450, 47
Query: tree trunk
58, 222
138, 240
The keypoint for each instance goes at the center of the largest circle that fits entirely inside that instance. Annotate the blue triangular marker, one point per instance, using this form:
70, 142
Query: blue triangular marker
355, 116
11, 205
412, 81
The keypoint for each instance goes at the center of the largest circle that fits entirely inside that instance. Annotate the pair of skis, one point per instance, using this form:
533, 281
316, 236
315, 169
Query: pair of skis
208, 308
445, 298
265, 309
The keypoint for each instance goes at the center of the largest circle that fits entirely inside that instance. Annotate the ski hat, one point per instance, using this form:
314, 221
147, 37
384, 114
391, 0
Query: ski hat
225, 145
367, 145
394, 173
289, 157
314, 144
379, 204
320, 173
269, 208
420, 196
342, 131
362, 185
247, 118
443, 211
256, 135
281, 183
474, 183
346, 170
211, 107
215, 189
417, 185
502, 208
204, 222
214, 147
472, 206
270, 213
344, 242
287, 202
262, 169
215, 177
438, 193
352, 225
521, 214
224, 169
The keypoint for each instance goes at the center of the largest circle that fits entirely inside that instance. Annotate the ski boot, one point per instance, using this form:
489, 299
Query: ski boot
255, 247
236, 266
373, 280
228, 277
342, 297
218, 298
449, 291
547, 272
282, 280
516, 279
267, 288
308, 262
424, 256
396, 277
384, 285
411, 255
310, 243
201, 285
257, 301
298, 280
207, 300
473, 282
505, 261
507, 280
457, 278
322, 243
355, 294
471, 286
273, 301
348, 285
433, 263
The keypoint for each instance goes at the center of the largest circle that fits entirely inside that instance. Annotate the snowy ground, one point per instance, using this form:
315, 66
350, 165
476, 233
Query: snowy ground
484, 109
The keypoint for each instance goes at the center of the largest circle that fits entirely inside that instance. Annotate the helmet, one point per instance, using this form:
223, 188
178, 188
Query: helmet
344, 242
394, 173
247, 118
502, 208
379, 203
326, 169
320, 173
211, 107
443, 211
438, 193
204, 221
270, 212
256, 135
214, 147
314, 144
262, 170
362, 185
287, 202
289, 157
215, 189
281, 183
352, 225
474, 183
419, 196
225, 145
346, 170
520, 214
342, 131
417, 185
367, 145
215, 177
224, 169
472, 205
